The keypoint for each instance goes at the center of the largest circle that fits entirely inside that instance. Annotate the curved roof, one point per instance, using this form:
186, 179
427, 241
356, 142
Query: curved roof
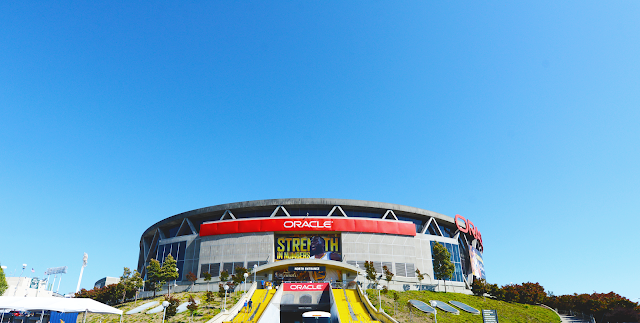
218, 210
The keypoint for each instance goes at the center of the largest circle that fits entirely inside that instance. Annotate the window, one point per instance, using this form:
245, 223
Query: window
310, 212
405, 270
177, 250
432, 229
173, 231
359, 214
448, 232
228, 267
389, 266
418, 223
401, 269
204, 269
213, 269
378, 266
251, 263
454, 251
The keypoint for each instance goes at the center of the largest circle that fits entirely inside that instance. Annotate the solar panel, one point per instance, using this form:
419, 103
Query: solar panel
445, 307
422, 306
465, 307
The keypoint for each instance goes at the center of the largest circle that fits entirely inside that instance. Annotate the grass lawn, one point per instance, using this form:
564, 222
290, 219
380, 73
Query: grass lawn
507, 312
204, 313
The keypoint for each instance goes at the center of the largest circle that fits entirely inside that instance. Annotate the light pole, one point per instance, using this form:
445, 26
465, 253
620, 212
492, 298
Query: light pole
226, 288
245, 281
255, 268
165, 304
84, 264
22, 272
435, 311
357, 273
379, 287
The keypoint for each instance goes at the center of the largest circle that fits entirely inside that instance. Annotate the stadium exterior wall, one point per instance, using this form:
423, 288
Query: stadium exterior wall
188, 237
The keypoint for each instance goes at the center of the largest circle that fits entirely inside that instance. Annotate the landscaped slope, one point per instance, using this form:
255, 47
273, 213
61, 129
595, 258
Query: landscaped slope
507, 312
204, 313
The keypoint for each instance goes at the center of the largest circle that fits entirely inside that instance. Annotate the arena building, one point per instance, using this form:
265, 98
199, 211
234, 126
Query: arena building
314, 239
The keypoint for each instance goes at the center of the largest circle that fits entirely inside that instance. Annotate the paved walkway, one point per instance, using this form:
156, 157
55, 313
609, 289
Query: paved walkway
572, 319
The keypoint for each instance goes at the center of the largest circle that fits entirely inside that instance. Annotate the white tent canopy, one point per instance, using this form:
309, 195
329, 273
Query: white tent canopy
56, 304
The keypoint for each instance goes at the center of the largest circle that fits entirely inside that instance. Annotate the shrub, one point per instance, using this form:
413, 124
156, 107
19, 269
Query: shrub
510, 293
530, 293
479, 287
209, 296
173, 305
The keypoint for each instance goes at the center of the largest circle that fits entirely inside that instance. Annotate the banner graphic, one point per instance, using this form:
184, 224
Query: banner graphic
305, 246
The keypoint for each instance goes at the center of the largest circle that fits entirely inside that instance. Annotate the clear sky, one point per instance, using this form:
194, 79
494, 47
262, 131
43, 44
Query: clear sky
522, 117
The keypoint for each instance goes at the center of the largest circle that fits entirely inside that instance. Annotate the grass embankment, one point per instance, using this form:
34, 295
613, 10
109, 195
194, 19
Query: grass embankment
507, 312
204, 313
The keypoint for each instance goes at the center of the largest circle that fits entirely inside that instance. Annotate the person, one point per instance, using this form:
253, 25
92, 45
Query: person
262, 283
250, 305
244, 307
318, 250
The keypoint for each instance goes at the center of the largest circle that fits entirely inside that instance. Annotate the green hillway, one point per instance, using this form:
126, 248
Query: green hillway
507, 312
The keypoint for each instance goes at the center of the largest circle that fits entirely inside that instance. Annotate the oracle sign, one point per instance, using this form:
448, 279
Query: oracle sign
468, 228
305, 287
326, 224
304, 224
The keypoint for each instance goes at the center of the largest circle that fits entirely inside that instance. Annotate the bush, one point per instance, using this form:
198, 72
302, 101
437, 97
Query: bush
110, 294
530, 293
480, 287
173, 305
610, 306
209, 296
510, 293
495, 291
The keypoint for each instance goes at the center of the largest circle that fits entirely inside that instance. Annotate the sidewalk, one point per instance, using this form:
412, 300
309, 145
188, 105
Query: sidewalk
572, 319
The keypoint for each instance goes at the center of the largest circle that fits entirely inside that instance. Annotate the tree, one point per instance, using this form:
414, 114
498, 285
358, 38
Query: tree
129, 283
224, 276
396, 298
479, 287
169, 271
154, 276
370, 272
238, 277
207, 278
511, 293
531, 293
420, 277
192, 278
3, 282
388, 275
443, 268
192, 307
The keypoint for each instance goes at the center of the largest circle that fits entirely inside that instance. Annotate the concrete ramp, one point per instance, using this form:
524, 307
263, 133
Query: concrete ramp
260, 300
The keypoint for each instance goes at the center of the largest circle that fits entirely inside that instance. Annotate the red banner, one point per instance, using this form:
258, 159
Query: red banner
305, 287
303, 224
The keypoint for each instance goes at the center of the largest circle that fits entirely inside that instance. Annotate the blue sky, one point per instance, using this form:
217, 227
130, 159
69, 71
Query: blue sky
522, 117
